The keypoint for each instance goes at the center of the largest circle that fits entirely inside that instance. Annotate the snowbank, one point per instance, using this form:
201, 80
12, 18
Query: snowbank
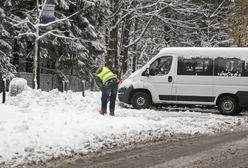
37, 126
17, 85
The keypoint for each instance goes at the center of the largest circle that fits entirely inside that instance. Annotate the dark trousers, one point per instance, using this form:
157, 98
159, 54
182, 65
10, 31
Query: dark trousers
109, 92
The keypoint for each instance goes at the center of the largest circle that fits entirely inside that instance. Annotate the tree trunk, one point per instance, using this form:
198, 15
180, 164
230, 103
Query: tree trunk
112, 57
16, 55
35, 61
135, 60
125, 42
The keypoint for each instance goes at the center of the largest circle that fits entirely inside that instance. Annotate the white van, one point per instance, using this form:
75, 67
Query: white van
191, 76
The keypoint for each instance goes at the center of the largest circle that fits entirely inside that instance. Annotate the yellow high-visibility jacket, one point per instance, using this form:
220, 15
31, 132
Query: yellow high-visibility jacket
106, 74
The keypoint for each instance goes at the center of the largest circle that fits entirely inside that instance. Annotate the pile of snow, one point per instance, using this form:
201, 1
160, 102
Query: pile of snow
38, 126
17, 86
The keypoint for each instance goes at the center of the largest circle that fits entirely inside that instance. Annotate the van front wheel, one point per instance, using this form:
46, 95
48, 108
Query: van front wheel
228, 106
141, 100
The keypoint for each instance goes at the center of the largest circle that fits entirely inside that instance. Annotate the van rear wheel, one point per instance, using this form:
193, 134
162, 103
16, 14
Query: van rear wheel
228, 106
141, 100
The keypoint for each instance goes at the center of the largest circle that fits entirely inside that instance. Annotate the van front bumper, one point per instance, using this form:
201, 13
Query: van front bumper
124, 94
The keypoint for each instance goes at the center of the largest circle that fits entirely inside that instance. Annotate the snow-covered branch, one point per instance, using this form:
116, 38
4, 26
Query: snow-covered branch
116, 11
42, 9
17, 23
26, 34
141, 35
52, 32
218, 10
121, 19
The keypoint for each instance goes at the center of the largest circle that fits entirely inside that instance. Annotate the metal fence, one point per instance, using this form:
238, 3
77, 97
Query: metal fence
50, 81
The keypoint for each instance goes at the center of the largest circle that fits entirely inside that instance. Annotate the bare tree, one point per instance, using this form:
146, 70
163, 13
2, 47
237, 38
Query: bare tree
125, 14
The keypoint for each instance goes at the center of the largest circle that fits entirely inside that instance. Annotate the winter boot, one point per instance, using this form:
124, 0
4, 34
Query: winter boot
112, 113
101, 111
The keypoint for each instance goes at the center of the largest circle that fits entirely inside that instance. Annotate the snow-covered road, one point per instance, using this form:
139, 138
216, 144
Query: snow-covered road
38, 126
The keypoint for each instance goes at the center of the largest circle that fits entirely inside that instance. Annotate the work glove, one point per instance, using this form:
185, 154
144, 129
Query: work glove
119, 81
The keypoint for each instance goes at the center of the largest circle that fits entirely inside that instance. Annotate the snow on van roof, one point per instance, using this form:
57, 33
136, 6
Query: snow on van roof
207, 51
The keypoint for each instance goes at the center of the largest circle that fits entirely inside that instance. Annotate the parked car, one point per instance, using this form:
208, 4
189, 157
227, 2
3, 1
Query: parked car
191, 76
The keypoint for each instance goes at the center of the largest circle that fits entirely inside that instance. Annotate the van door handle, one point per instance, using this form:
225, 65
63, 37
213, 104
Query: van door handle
169, 78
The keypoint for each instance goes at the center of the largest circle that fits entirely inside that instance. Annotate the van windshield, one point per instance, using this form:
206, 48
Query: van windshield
161, 66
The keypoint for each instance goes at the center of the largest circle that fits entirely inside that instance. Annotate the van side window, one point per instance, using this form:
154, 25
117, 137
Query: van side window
161, 66
195, 66
230, 67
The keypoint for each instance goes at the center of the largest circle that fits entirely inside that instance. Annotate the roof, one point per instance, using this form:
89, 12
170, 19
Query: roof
203, 51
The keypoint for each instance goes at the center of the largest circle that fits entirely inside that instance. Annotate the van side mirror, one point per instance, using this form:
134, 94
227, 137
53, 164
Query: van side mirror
146, 72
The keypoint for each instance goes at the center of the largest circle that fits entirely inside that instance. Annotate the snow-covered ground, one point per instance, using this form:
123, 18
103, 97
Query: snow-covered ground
38, 126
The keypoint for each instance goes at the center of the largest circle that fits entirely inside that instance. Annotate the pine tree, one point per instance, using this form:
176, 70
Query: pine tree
72, 43
87, 50
6, 68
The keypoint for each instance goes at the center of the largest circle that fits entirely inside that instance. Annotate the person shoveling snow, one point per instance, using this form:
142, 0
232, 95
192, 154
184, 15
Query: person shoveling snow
107, 81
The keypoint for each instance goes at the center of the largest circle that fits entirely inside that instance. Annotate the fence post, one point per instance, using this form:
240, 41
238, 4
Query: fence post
83, 87
4, 89
63, 86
